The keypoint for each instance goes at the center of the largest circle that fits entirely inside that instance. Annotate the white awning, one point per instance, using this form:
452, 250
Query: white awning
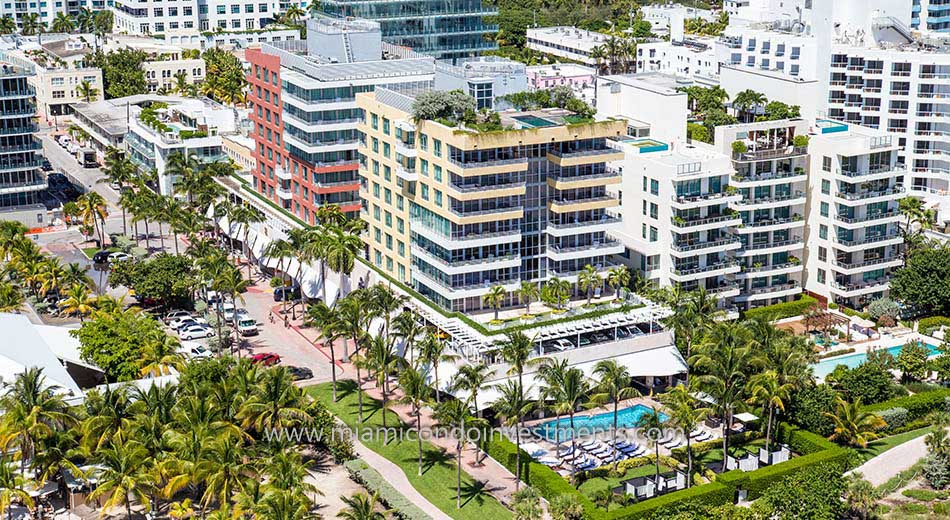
745, 417
657, 362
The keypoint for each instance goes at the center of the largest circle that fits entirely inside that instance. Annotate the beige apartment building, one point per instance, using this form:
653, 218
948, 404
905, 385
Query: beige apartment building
454, 212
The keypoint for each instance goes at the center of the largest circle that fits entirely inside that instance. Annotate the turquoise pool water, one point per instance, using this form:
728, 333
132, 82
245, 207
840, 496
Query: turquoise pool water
826, 366
535, 121
561, 429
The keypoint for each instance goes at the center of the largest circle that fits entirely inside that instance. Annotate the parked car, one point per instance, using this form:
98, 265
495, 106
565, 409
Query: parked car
240, 314
228, 312
186, 321
286, 293
199, 352
174, 315
196, 332
247, 327
214, 297
101, 257
265, 358
298, 373
119, 257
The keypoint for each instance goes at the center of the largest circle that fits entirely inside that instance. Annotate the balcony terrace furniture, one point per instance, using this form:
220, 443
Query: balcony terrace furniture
749, 462
769, 458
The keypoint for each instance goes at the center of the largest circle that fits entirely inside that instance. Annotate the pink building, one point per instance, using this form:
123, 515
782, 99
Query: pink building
549, 76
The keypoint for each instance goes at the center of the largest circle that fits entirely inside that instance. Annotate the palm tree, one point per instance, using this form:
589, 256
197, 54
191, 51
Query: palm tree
321, 316
78, 301
63, 23
245, 216
342, 249
527, 293
614, 387
314, 8
407, 326
551, 373
361, 506
860, 495
232, 283
471, 378
432, 352
685, 414
7, 25
574, 390
12, 488
512, 405
124, 473
653, 424
280, 249
495, 298
618, 277
599, 54
354, 317
86, 91
384, 303
454, 415
84, 19
93, 212
766, 389
415, 393
275, 403
854, 426
382, 359
516, 351
748, 100
294, 13
556, 291
30, 24
723, 362
589, 280
11, 299
159, 355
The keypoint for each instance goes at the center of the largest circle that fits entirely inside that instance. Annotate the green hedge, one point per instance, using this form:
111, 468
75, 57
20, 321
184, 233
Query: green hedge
783, 310
917, 405
699, 448
756, 482
802, 441
712, 494
929, 325
375, 483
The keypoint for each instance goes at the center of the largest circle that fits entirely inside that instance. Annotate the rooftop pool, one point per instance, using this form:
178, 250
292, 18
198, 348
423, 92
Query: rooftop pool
826, 366
559, 430
531, 121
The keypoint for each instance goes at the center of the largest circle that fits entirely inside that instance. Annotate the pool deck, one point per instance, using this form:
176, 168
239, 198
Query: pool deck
888, 339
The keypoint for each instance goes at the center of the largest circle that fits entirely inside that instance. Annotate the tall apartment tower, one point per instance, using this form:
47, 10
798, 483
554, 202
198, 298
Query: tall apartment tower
21, 180
304, 112
454, 212
770, 177
854, 186
445, 30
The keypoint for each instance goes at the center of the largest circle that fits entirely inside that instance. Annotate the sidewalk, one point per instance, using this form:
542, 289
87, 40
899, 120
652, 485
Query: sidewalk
889, 464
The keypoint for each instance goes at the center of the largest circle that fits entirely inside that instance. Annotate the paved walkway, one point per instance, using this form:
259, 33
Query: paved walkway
887, 465
395, 476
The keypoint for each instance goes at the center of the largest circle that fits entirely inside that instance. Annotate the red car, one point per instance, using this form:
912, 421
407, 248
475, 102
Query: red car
265, 358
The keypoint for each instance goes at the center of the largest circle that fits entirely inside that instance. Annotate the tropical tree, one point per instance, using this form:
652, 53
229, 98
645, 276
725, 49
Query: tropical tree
407, 326
748, 101
7, 25
556, 291
495, 298
853, 425
84, 19
618, 277
326, 319
432, 351
573, 391
281, 250
78, 301
470, 379
86, 91
293, 14
381, 359
766, 389
30, 24
342, 249
512, 406
589, 280
687, 415
860, 495
415, 393
527, 293
652, 422
614, 387
124, 474
62, 23
92, 213
12, 488
454, 415
11, 299
361, 506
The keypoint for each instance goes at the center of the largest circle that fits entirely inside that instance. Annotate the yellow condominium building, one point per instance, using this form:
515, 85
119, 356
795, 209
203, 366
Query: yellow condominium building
454, 210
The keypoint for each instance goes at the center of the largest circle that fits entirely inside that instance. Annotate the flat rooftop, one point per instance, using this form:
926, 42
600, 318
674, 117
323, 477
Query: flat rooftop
111, 115
561, 69
569, 36
658, 83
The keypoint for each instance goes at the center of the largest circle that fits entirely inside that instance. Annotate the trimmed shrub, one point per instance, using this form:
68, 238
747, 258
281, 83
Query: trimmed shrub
924, 495
761, 479
802, 441
883, 307
929, 325
703, 447
917, 405
372, 480
713, 494
783, 310
936, 471
894, 417
836, 353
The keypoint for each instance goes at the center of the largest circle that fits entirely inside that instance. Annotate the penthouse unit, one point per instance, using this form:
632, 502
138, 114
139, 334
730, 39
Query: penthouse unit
21, 181
652, 104
664, 18
445, 30
160, 16
486, 78
192, 128
57, 82
770, 175
305, 116
566, 42
455, 211
678, 226
686, 57
855, 183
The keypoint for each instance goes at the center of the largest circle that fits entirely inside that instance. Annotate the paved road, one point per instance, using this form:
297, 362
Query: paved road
86, 178
887, 465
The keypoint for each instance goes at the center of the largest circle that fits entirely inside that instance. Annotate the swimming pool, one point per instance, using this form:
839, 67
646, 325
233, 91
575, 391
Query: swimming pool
534, 121
561, 429
826, 366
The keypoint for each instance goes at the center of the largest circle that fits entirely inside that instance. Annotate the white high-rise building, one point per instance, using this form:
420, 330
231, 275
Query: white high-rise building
161, 16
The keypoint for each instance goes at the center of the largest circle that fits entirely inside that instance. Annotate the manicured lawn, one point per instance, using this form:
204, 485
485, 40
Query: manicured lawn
715, 455
595, 485
437, 482
881, 445
90, 251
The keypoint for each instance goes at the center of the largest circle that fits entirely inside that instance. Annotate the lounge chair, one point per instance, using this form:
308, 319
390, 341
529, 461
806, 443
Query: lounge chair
703, 437
696, 433
599, 451
675, 444
638, 452
588, 444
621, 445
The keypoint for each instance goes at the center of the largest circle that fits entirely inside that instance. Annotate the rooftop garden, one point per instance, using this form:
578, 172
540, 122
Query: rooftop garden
151, 117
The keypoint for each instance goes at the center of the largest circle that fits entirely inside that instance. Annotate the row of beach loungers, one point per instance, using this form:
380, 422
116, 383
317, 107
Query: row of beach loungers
593, 453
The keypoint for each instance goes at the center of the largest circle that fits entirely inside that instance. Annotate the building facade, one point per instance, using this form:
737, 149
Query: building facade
21, 181
486, 78
161, 16
303, 108
566, 42
930, 15
454, 213
445, 30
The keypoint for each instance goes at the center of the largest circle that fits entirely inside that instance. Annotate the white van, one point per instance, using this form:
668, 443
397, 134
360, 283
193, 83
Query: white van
247, 327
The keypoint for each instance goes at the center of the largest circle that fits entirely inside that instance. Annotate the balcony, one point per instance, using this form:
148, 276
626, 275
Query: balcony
877, 240
870, 194
881, 171
479, 191
406, 174
461, 291
560, 182
562, 254
471, 265
284, 193
761, 248
885, 215
583, 204
517, 164
464, 241
487, 215
797, 197
38, 184
695, 201
578, 157
696, 273
867, 264
765, 155
29, 164
725, 290
849, 290
405, 149
770, 270
752, 180
761, 226
770, 291
282, 173
714, 221
586, 226
707, 246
